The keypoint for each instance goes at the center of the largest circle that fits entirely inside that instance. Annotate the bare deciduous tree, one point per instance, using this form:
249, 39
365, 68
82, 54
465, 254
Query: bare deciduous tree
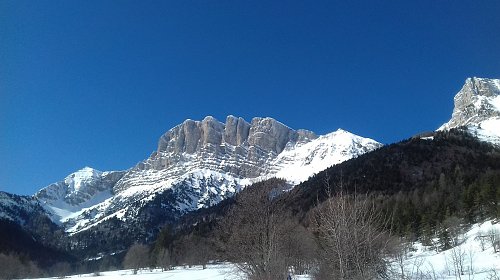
61, 269
163, 259
10, 266
494, 238
300, 249
256, 229
482, 238
456, 259
137, 257
352, 238
195, 250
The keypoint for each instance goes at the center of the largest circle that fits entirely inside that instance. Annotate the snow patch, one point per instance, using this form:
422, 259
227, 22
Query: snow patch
496, 100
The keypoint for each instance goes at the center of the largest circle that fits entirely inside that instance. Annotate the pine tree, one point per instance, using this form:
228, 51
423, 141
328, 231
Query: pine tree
444, 239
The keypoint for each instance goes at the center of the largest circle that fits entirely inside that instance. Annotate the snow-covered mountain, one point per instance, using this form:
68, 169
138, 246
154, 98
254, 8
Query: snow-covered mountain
197, 164
298, 162
79, 191
477, 107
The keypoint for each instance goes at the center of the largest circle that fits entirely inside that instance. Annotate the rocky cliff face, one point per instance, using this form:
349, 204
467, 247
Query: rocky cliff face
236, 148
475, 102
477, 108
266, 133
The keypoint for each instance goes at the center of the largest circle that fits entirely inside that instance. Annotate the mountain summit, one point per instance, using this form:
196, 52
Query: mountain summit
477, 107
197, 164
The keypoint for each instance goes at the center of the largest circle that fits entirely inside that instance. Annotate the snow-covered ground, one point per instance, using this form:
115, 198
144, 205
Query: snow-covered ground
212, 272
215, 272
474, 257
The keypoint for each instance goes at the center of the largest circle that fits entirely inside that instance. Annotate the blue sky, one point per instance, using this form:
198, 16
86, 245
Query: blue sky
95, 83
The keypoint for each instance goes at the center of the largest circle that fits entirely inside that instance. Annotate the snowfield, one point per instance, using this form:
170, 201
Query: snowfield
215, 272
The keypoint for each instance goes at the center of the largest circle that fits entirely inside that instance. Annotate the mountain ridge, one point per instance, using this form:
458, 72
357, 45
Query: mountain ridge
197, 164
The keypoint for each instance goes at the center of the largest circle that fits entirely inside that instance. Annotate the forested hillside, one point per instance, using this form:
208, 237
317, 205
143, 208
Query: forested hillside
420, 182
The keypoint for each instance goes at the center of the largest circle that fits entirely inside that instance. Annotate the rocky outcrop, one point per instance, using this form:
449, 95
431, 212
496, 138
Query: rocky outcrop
477, 109
236, 131
475, 102
238, 148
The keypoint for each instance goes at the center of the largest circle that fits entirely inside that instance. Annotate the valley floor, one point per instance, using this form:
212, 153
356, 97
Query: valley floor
215, 272
212, 272
475, 257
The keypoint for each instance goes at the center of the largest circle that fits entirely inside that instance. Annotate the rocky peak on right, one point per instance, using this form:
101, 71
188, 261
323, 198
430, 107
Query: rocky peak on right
477, 107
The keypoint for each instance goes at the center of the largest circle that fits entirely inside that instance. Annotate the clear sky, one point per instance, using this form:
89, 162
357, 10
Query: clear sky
95, 83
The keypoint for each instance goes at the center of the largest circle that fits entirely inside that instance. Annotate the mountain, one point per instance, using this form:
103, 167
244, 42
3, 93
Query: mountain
477, 107
80, 190
197, 164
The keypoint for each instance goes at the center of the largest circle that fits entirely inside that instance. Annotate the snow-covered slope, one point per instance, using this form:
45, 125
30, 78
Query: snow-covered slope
197, 164
80, 190
473, 258
477, 107
297, 163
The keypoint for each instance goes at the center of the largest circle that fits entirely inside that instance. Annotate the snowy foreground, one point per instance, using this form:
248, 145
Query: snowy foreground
212, 272
474, 257
215, 272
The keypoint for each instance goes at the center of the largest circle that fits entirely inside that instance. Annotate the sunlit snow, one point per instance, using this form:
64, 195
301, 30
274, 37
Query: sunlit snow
478, 264
488, 130
298, 164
